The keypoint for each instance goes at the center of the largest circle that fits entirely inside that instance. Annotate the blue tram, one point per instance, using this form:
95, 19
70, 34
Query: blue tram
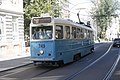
54, 40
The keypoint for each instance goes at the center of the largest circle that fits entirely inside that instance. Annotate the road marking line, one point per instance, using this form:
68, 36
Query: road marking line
112, 69
77, 73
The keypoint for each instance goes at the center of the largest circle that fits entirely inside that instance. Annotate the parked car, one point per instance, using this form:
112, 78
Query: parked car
116, 42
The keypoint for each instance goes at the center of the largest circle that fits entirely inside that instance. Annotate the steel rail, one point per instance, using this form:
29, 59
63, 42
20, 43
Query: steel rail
78, 72
112, 69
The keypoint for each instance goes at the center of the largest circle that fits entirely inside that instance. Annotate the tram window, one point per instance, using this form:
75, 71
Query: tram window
42, 32
0, 31
73, 32
67, 30
81, 33
85, 33
92, 35
59, 32
89, 33
78, 33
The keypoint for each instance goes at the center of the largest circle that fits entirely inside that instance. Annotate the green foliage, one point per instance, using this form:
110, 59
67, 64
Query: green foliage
26, 2
34, 8
103, 12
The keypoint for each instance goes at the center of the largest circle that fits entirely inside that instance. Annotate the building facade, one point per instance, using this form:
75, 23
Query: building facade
112, 32
11, 27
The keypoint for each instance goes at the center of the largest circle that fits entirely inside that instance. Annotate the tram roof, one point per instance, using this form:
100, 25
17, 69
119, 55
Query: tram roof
69, 22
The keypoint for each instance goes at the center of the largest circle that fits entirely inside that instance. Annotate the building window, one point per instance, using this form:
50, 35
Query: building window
14, 28
14, 24
1, 26
0, 2
14, 1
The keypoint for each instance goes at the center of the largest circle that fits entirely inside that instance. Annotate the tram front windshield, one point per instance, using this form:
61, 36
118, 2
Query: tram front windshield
42, 32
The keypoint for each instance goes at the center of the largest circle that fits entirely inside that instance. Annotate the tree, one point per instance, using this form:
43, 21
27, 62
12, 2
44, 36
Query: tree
103, 12
26, 3
34, 8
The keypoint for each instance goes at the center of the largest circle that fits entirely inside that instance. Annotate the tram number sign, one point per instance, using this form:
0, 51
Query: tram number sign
41, 20
41, 45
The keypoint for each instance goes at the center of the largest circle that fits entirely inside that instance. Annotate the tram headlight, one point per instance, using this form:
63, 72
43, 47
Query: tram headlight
41, 52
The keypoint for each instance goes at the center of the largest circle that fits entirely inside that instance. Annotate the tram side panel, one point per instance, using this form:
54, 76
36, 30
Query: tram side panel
66, 49
63, 50
59, 50
86, 46
81, 46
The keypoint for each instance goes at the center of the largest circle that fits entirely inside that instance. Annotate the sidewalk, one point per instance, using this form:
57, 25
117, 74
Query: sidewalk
15, 56
8, 62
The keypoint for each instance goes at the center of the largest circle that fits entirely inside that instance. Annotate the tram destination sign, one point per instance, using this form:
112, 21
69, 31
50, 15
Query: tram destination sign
41, 20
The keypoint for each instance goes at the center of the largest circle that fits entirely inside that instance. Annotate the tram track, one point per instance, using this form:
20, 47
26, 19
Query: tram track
16, 67
19, 66
112, 69
38, 72
19, 72
98, 59
43, 72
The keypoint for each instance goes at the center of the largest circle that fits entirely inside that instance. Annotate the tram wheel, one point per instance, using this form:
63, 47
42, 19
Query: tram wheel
77, 57
60, 63
92, 50
118, 46
34, 63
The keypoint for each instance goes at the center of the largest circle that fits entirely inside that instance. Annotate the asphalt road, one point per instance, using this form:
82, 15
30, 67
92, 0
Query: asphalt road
95, 66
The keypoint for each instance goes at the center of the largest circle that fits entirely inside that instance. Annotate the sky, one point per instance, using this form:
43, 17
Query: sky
79, 6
